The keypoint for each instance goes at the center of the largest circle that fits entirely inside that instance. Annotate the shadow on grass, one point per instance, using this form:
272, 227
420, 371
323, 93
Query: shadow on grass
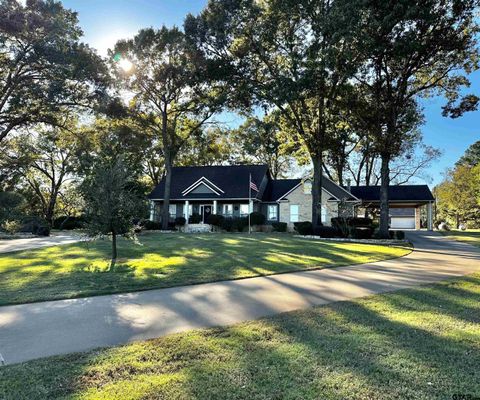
413, 344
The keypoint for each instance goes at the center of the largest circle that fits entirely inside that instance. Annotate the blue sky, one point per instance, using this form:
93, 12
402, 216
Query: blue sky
106, 21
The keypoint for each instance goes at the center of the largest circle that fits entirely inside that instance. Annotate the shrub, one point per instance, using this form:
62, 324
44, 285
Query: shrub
304, 228
68, 223
340, 223
11, 226
399, 235
215, 219
195, 218
42, 230
327, 232
180, 221
361, 232
257, 218
227, 224
151, 225
359, 221
239, 224
279, 226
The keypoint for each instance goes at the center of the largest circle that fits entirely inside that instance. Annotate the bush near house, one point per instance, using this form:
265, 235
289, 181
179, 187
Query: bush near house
215, 219
151, 225
354, 227
195, 218
303, 228
327, 232
180, 221
257, 218
68, 223
279, 226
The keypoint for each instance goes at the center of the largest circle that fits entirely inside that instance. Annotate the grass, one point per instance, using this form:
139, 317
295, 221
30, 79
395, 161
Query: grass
421, 343
472, 236
165, 260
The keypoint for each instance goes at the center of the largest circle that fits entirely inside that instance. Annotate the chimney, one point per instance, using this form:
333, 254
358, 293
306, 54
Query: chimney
349, 185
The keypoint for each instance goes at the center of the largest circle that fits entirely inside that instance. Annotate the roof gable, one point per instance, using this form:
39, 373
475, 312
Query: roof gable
203, 186
398, 193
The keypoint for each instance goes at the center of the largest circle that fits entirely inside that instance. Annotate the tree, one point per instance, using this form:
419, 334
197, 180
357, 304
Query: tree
295, 57
471, 156
43, 65
44, 161
259, 141
458, 195
112, 201
412, 49
173, 96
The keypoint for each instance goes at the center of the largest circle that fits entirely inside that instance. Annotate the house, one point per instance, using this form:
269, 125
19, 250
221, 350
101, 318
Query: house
225, 190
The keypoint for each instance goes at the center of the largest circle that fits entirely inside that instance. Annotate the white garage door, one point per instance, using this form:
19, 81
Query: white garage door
403, 223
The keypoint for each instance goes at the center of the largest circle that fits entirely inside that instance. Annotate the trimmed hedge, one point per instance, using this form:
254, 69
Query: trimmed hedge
279, 226
195, 218
257, 218
215, 219
327, 232
151, 225
303, 228
180, 221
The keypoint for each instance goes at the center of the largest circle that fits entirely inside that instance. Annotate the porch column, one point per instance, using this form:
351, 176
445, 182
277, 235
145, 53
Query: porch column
214, 211
418, 224
185, 210
429, 216
152, 210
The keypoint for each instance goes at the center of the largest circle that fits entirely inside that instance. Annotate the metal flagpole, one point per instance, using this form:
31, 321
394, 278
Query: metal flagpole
249, 201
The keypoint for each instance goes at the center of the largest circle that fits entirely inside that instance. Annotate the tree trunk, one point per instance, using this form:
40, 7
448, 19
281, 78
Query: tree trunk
114, 250
385, 183
166, 195
317, 190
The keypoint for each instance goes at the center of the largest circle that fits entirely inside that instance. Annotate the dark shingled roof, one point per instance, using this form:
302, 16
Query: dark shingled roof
277, 188
232, 179
399, 193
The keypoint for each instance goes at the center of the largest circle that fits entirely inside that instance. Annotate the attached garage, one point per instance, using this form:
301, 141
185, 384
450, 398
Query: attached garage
402, 223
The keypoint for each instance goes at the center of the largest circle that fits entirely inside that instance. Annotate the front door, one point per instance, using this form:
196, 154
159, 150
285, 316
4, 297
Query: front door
206, 210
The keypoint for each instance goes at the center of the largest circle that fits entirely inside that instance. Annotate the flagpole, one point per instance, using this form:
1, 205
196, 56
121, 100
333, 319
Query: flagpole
249, 201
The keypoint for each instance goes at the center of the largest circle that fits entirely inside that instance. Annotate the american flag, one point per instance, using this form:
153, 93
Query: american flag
253, 186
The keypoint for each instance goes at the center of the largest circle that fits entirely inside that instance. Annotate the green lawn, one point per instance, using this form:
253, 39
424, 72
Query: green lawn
471, 236
164, 260
419, 343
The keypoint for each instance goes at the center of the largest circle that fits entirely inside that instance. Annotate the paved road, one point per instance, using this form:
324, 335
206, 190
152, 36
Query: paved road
7, 246
35, 330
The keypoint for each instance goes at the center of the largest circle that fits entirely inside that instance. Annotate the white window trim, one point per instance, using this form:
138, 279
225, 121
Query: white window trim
275, 207
214, 188
248, 209
224, 207
297, 214
170, 208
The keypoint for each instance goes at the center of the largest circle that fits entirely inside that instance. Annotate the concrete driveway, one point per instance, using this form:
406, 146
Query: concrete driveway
36, 330
7, 246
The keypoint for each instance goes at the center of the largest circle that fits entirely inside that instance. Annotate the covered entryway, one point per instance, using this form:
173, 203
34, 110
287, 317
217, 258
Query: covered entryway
205, 212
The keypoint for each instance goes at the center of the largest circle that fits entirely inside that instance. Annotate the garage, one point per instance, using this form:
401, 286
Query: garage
403, 223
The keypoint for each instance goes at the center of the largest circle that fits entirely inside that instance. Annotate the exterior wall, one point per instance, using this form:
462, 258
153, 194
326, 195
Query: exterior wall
304, 201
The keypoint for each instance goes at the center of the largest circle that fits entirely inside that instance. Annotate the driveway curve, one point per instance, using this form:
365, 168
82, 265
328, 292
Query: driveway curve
30, 331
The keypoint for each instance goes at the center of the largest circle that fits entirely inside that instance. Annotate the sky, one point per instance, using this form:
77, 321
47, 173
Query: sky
106, 21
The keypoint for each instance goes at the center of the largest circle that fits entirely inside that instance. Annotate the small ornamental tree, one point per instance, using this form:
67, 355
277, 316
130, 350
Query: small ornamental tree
112, 202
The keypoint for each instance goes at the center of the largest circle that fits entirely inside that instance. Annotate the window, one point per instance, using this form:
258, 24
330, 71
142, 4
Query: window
272, 212
294, 211
172, 210
307, 187
244, 210
324, 214
228, 210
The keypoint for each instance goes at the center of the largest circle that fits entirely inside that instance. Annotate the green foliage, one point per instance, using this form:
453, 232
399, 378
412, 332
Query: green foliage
303, 228
112, 204
68, 222
180, 221
257, 218
471, 157
279, 226
195, 218
151, 225
11, 226
11, 204
44, 68
215, 219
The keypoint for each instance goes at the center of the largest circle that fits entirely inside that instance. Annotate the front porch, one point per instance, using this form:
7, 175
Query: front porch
198, 211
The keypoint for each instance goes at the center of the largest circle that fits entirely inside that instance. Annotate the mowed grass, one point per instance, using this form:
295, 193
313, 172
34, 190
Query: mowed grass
421, 343
472, 236
165, 260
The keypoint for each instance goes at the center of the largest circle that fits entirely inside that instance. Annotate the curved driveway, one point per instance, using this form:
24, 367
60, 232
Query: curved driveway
30, 331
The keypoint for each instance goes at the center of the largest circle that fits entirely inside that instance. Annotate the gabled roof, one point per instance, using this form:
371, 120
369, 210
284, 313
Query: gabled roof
338, 192
398, 193
278, 188
230, 181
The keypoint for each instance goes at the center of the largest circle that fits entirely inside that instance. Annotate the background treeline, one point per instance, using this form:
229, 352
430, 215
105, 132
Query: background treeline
330, 86
458, 196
